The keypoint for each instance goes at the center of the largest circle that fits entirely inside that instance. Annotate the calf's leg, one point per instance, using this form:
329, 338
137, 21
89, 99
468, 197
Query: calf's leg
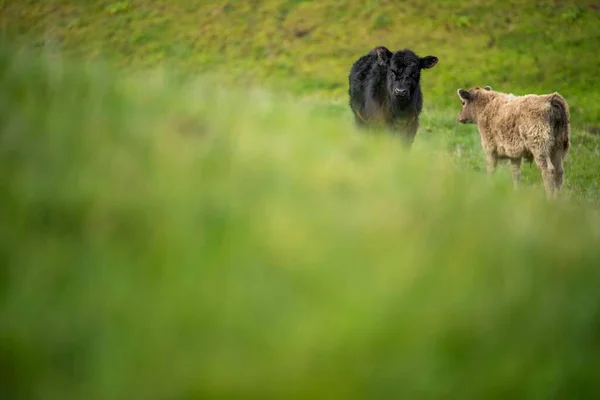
406, 131
547, 169
515, 170
359, 120
411, 132
557, 161
491, 162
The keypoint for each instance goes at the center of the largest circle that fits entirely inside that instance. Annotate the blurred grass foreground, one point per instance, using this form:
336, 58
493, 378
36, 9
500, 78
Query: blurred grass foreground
162, 238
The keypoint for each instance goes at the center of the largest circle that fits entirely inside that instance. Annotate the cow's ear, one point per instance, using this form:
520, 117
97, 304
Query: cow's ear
487, 87
428, 62
463, 94
383, 54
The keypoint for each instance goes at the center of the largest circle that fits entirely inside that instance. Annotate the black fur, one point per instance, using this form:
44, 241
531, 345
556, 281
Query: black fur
385, 90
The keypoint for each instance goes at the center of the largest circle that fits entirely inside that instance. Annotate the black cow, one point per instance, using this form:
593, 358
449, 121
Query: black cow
385, 90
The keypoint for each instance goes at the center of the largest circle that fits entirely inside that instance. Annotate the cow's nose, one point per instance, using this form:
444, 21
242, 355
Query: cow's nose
400, 92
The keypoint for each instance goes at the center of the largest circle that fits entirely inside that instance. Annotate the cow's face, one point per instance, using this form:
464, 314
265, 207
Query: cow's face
404, 73
467, 113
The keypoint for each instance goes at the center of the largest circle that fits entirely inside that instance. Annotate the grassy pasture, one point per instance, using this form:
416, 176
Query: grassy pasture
164, 234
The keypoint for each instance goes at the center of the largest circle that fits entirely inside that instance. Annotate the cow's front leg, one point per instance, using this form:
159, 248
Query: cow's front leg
491, 162
411, 131
515, 170
407, 130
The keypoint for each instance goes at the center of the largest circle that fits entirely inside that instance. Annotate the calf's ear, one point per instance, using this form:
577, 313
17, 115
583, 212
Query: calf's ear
428, 61
383, 54
463, 94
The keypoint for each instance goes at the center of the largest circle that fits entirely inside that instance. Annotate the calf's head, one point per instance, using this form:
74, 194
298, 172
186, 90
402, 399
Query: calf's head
404, 73
467, 114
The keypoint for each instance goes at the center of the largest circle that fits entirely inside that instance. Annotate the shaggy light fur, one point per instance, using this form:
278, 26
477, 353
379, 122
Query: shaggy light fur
533, 127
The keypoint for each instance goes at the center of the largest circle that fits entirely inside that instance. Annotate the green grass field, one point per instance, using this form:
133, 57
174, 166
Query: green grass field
187, 211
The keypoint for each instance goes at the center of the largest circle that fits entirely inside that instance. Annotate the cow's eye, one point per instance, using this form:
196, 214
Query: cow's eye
463, 103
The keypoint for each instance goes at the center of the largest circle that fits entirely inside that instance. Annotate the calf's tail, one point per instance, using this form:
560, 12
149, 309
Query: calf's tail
560, 119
